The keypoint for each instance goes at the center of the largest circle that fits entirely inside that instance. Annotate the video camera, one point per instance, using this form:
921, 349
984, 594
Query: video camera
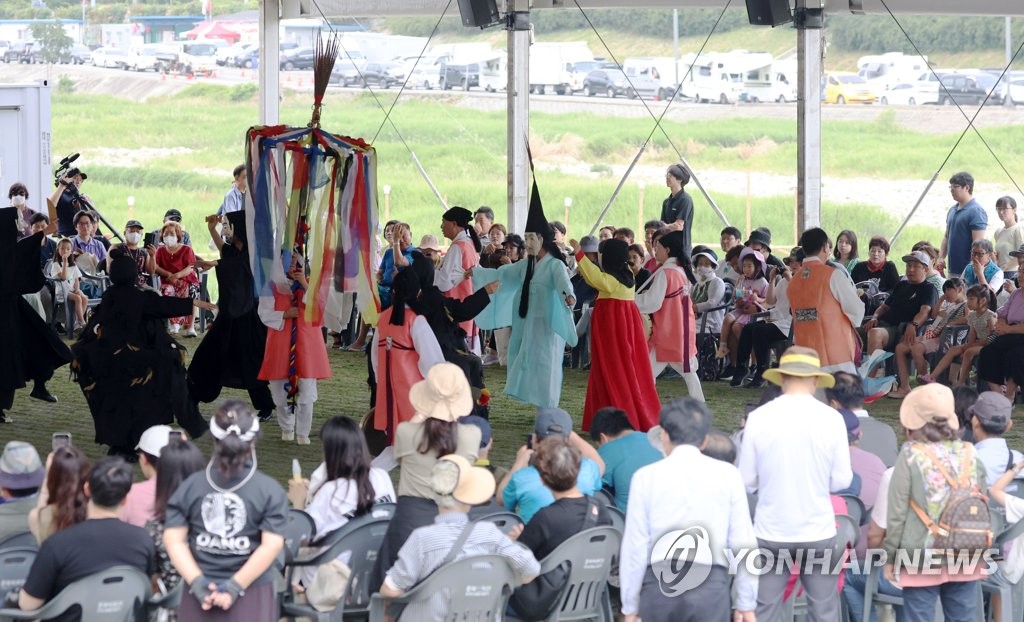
82, 202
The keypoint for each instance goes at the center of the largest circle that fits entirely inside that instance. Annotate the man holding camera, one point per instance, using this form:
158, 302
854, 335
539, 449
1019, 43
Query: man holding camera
66, 200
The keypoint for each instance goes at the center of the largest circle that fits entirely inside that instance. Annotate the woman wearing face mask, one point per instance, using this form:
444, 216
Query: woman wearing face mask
175, 263
18, 194
709, 289
144, 258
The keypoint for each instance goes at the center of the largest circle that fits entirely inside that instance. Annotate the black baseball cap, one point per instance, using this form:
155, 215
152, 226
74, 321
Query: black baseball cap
172, 214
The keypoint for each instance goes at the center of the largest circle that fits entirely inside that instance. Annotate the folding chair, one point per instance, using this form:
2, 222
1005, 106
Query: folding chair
15, 562
504, 521
117, 594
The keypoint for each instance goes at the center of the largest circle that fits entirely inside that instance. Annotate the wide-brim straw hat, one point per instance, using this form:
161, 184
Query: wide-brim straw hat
801, 365
476, 484
444, 394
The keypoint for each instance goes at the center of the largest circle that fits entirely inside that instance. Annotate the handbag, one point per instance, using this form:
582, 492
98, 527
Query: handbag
328, 586
538, 599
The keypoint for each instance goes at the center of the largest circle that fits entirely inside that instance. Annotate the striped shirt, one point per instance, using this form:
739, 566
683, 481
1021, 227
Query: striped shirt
427, 547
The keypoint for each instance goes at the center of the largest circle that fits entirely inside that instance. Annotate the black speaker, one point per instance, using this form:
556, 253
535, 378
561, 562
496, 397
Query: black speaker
769, 12
479, 13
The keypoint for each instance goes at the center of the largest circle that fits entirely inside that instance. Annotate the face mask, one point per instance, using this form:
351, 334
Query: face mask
170, 240
18, 200
133, 238
704, 272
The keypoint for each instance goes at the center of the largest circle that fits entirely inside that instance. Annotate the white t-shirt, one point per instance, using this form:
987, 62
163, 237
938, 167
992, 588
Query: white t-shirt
333, 503
1013, 565
68, 283
880, 511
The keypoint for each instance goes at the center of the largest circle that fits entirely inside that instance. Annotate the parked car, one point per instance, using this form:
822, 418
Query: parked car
899, 95
5, 48
77, 54
108, 57
611, 81
426, 73
344, 73
842, 88
963, 90
463, 76
144, 58
578, 72
32, 53
298, 58
377, 74
1016, 92
250, 58
13, 52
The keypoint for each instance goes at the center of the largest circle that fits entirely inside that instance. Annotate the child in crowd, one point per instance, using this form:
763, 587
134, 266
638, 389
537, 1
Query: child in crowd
67, 282
982, 322
950, 311
750, 294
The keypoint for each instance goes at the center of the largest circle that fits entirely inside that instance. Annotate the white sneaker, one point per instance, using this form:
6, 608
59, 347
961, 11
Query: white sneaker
288, 436
191, 332
302, 440
175, 329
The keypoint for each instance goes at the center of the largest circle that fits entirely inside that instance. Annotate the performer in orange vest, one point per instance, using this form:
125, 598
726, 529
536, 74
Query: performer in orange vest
405, 351
825, 306
463, 255
292, 374
666, 296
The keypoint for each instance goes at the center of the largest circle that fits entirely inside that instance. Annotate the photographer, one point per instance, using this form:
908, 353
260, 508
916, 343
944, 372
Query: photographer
66, 201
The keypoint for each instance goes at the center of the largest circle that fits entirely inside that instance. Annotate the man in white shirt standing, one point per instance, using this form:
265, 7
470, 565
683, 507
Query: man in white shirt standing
668, 514
794, 454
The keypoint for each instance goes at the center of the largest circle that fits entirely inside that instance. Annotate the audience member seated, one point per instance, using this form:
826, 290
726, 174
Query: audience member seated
175, 263
761, 241
708, 291
39, 223
94, 545
964, 398
719, 446
662, 500
172, 215
62, 502
905, 311
1001, 363
522, 490
846, 250
877, 268
483, 458
867, 469
558, 463
856, 582
623, 450
876, 437
983, 269
144, 257
729, 238
344, 486
85, 242
21, 475
67, 283
934, 276
981, 323
457, 486
990, 421
138, 506
178, 460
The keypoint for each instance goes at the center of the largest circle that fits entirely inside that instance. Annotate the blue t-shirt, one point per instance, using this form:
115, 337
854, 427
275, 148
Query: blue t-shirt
526, 492
622, 457
960, 225
387, 264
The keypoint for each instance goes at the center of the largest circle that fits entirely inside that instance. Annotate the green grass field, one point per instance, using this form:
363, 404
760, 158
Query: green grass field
346, 394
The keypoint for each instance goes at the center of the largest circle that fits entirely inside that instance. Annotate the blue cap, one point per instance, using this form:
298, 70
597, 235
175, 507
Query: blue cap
483, 424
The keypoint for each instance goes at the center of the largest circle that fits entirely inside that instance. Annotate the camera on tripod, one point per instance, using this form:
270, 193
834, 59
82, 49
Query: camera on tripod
63, 167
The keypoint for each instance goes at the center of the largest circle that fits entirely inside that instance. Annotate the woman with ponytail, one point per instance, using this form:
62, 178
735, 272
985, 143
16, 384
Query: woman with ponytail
673, 341
223, 527
462, 256
620, 367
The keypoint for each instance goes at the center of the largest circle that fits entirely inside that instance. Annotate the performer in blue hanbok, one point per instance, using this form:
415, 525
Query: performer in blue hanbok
535, 299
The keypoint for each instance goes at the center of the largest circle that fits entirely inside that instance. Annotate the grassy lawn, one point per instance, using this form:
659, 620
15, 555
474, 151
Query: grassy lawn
346, 394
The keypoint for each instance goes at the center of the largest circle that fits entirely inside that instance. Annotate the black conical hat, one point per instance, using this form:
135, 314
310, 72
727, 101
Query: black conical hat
536, 221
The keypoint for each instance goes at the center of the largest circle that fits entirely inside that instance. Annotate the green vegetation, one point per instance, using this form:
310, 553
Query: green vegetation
54, 40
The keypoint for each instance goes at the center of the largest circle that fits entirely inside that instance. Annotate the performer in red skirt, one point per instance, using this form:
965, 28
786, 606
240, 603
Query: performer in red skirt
620, 370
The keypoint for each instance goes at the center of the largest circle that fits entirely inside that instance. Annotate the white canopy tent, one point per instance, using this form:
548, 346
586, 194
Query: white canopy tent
809, 18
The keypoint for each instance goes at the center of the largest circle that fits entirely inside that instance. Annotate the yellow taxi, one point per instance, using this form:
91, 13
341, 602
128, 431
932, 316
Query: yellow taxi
843, 88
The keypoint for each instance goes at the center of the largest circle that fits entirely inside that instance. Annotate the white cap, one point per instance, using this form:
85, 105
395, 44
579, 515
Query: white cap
154, 439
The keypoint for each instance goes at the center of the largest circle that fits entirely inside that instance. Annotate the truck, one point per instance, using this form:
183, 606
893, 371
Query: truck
551, 65
884, 71
197, 57
25, 125
724, 77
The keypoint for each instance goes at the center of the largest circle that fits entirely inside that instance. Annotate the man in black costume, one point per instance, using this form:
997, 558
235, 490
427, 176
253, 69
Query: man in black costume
232, 351
131, 371
32, 350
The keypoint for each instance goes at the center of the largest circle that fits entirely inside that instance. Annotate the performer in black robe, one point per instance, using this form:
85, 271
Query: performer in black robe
444, 315
232, 351
31, 349
130, 369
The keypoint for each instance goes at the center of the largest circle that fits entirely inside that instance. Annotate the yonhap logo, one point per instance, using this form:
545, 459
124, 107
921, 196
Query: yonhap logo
681, 560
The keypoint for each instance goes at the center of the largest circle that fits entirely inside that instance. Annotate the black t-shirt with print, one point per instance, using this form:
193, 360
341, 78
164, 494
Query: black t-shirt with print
906, 300
84, 549
225, 528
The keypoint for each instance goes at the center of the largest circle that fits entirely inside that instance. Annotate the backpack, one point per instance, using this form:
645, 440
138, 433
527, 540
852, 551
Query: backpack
964, 523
